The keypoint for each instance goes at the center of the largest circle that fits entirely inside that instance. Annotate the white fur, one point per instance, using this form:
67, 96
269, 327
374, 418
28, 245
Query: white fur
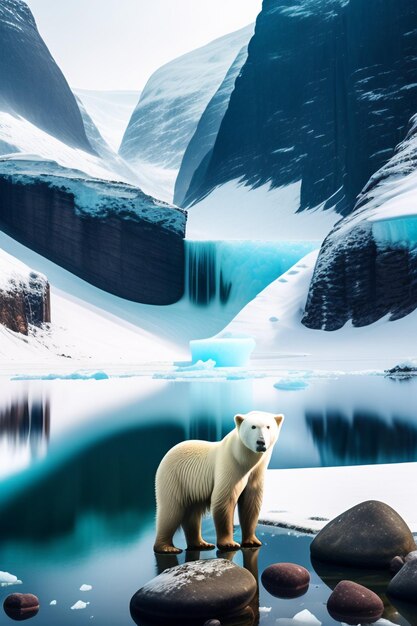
196, 476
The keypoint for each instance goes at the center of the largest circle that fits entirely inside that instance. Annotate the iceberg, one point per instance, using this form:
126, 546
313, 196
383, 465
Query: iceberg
226, 350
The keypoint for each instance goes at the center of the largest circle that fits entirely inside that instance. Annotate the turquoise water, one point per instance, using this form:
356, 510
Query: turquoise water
77, 499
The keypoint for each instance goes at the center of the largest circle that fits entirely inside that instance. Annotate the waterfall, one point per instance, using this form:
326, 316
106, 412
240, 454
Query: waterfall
231, 273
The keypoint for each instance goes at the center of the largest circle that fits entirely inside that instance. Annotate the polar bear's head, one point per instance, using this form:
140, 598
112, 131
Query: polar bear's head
258, 430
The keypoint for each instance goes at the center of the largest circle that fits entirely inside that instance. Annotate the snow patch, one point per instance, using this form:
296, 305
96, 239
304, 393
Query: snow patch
183, 575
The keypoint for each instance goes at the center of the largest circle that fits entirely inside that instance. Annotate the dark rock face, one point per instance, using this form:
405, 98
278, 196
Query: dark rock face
21, 606
322, 98
123, 241
192, 592
205, 135
367, 266
286, 580
23, 304
32, 85
354, 604
368, 535
404, 585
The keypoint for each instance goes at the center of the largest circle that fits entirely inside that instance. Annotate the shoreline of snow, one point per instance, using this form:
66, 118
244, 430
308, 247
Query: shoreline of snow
294, 497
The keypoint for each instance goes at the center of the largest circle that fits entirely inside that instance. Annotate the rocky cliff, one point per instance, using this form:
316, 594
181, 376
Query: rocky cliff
323, 99
367, 266
24, 296
110, 234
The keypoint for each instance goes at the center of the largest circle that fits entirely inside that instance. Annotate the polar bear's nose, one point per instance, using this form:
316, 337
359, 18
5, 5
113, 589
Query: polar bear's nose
260, 445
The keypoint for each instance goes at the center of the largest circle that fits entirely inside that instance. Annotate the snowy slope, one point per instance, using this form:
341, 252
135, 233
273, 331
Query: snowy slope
32, 85
110, 112
81, 336
171, 105
274, 317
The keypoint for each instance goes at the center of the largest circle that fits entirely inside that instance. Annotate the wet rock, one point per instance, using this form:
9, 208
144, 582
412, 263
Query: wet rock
213, 622
286, 580
396, 564
404, 585
354, 604
368, 535
21, 606
411, 556
192, 592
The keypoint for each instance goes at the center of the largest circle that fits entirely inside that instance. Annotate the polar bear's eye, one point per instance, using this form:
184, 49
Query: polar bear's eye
253, 427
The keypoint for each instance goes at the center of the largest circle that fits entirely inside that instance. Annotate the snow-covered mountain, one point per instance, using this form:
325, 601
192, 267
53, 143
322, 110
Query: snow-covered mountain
320, 105
24, 296
110, 112
367, 267
170, 108
32, 85
205, 135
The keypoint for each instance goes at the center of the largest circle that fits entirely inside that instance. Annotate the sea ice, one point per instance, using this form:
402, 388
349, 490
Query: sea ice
52, 603
7, 579
227, 350
86, 588
79, 605
304, 618
289, 384
78, 375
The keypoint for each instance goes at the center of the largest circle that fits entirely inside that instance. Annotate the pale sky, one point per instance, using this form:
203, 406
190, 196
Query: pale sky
117, 44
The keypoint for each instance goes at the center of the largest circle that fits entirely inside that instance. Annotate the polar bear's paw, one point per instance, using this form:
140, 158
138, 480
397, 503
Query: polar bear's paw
166, 549
251, 542
230, 546
200, 546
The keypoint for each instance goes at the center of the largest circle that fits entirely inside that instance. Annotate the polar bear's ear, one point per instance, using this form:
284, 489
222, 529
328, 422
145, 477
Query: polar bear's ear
279, 419
238, 420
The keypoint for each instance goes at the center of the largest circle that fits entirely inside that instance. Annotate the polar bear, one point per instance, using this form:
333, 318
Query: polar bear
196, 476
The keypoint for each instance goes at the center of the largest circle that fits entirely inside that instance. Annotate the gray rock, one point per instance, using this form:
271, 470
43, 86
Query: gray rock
404, 585
369, 534
354, 604
195, 592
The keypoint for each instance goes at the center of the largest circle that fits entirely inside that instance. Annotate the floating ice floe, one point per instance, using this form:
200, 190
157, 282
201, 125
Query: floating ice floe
304, 618
7, 579
288, 384
265, 609
79, 605
86, 588
78, 375
52, 603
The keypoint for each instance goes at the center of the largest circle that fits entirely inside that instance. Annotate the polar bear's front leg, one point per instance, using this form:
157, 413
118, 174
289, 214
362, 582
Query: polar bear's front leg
249, 506
223, 504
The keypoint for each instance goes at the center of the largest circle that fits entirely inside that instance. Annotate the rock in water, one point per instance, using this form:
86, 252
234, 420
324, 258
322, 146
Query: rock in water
194, 592
369, 534
354, 604
404, 585
286, 580
21, 606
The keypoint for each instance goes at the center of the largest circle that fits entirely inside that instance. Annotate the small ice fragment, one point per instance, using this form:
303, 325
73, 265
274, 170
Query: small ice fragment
7, 579
273, 319
52, 603
79, 605
290, 384
86, 588
265, 609
305, 618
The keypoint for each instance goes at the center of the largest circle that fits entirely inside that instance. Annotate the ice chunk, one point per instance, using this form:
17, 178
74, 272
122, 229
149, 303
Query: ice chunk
79, 605
265, 609
86, 588
52, 603
226, 350
7, 579
304, 618
291, 384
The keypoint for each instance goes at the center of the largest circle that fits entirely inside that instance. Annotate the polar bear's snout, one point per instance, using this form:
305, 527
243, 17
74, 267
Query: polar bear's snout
260, 445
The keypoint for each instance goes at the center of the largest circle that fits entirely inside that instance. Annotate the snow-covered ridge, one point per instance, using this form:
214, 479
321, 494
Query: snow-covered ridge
15, 275
92, 196
171, 106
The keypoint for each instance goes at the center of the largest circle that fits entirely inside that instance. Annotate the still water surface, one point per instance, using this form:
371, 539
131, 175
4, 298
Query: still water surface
77, 465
